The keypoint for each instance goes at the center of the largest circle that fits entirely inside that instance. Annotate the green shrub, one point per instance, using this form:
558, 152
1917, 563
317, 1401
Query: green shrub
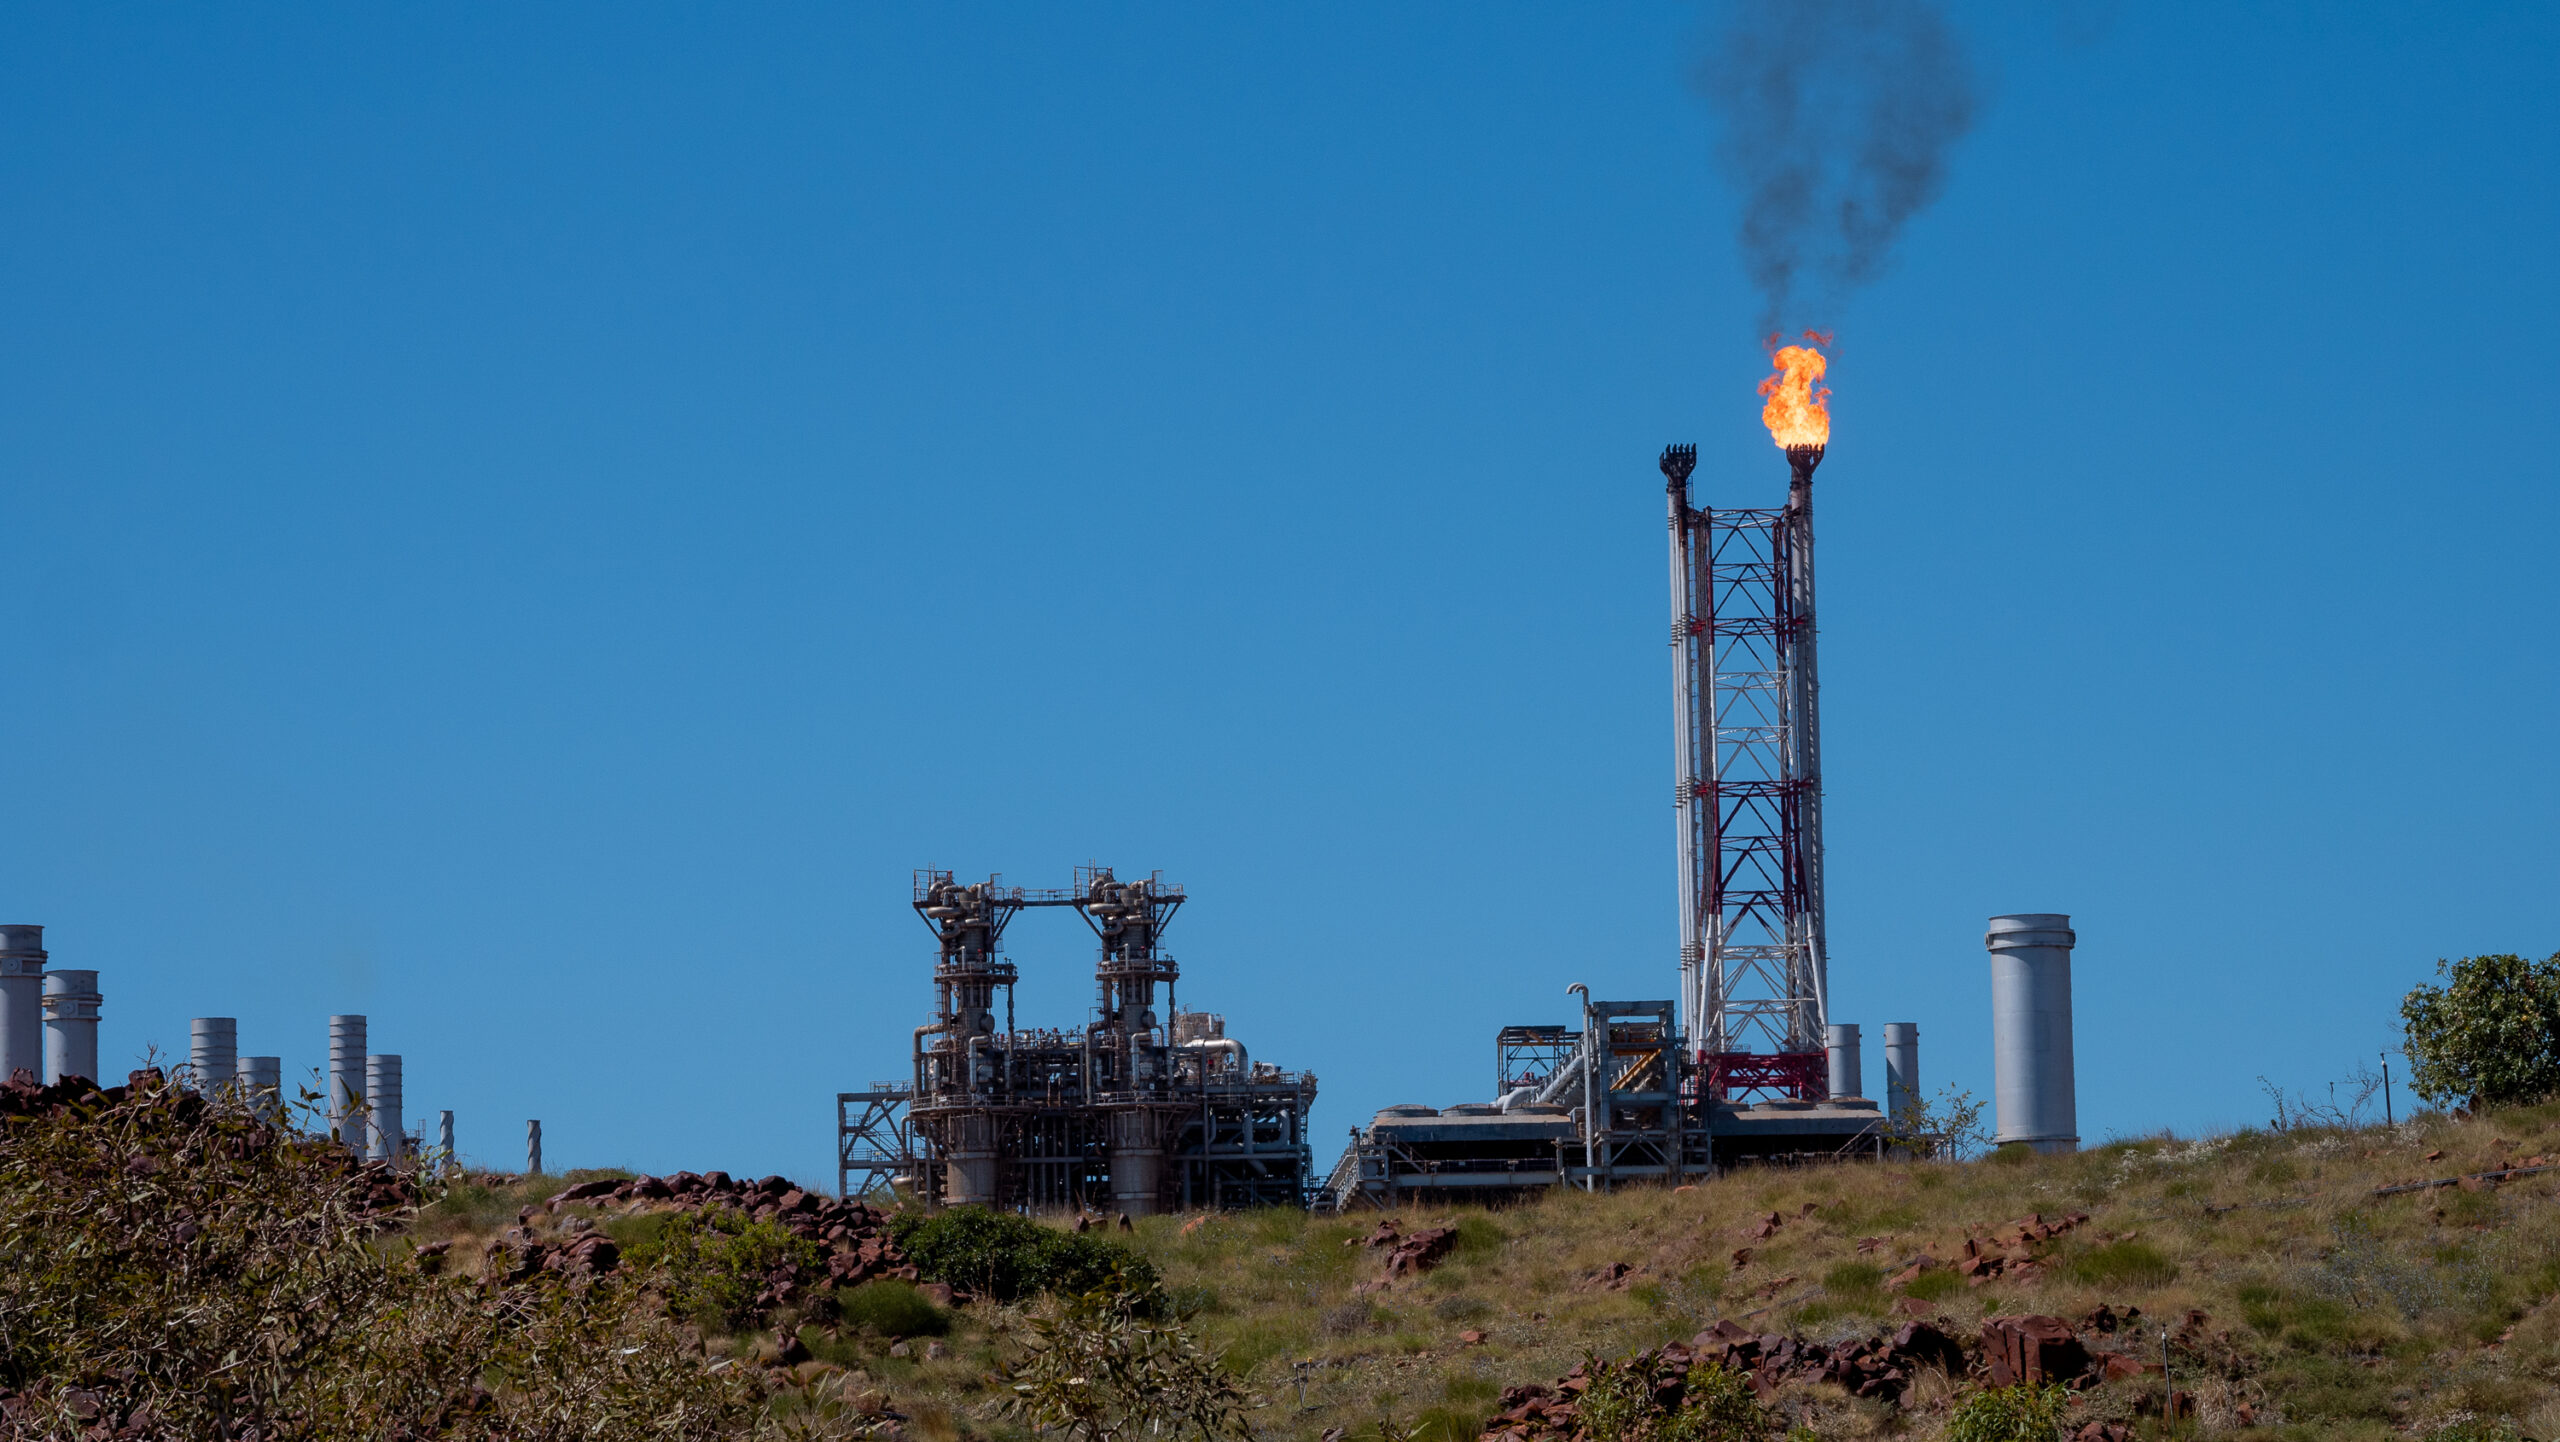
1623, 1403
2490, 1035
713, 1264
1935, 1285
892, 1309
188, 1270
2024, 1413
1009, 1257
1095, 1369
2121, 1264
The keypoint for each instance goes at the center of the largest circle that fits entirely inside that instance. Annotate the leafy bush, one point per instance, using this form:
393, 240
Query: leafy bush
2024, 1413
187, 1270
2490, 1036
1624, 1403
892, 1309
1096, 1369
1008, 1257
715, 1263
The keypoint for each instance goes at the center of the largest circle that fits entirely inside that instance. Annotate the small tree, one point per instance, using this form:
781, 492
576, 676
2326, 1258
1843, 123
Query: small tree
1097, 1369
1950, 1128
2490, 1035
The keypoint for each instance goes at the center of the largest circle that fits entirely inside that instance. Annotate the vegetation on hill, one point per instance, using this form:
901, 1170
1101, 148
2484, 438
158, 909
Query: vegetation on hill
2490, 1036
170, 1269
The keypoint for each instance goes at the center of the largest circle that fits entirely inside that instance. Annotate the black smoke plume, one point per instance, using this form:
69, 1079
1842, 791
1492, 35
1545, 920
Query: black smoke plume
1837, 115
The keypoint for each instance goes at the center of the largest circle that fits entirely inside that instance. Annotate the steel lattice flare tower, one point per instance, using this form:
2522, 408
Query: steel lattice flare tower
1747, 732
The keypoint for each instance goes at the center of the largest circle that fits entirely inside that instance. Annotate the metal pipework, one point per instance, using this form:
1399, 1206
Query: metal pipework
262, 1084
1848, 1073
71, 1003
387, 1138
1227, 1044
1800, 463
1691, 761
345, 1104
213, 1053
1901, 1069
22, 959
2032, 1085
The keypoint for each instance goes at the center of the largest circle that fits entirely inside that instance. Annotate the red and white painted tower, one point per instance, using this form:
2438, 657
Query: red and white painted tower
1754, 982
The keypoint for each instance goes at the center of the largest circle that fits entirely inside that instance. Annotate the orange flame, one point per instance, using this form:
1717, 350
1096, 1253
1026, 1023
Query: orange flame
1799, 411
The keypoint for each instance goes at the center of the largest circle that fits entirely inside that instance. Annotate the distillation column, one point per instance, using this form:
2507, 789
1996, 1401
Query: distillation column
1129, 1040
956, 1077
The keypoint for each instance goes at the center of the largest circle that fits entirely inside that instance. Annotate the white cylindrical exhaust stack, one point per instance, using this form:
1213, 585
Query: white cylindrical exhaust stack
213, 1053
1848, 1071
2032, 1083
262, 1084
22, 958
71, 1003
386, 1135
1901, 1069
346, 1081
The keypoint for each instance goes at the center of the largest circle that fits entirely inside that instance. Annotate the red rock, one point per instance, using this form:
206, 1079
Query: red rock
2032, 1349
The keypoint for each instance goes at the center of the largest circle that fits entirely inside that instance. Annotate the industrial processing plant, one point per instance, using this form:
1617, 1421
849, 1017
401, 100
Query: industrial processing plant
1138, 1111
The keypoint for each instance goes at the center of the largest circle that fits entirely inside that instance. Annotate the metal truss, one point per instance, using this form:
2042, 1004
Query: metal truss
1748, 789
873, 1138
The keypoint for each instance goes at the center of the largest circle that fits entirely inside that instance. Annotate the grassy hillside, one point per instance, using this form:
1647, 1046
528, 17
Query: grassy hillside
2347, 1314
2328, 1311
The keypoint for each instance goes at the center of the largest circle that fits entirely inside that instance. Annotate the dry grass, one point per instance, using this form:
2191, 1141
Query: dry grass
2349, 1316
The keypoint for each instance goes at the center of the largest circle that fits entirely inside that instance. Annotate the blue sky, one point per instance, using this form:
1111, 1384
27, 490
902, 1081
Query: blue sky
530, 526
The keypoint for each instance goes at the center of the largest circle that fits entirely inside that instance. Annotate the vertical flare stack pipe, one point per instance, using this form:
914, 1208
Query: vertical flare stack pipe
1848, 1068
262, 1084
2033, 1086
1901, 1070
22, 959
386, 1135
71, 1003
346, 1081
213, 1053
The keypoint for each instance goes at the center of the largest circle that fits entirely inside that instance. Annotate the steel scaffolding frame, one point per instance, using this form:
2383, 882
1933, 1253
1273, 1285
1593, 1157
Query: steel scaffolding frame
1748, 787
872, 1137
